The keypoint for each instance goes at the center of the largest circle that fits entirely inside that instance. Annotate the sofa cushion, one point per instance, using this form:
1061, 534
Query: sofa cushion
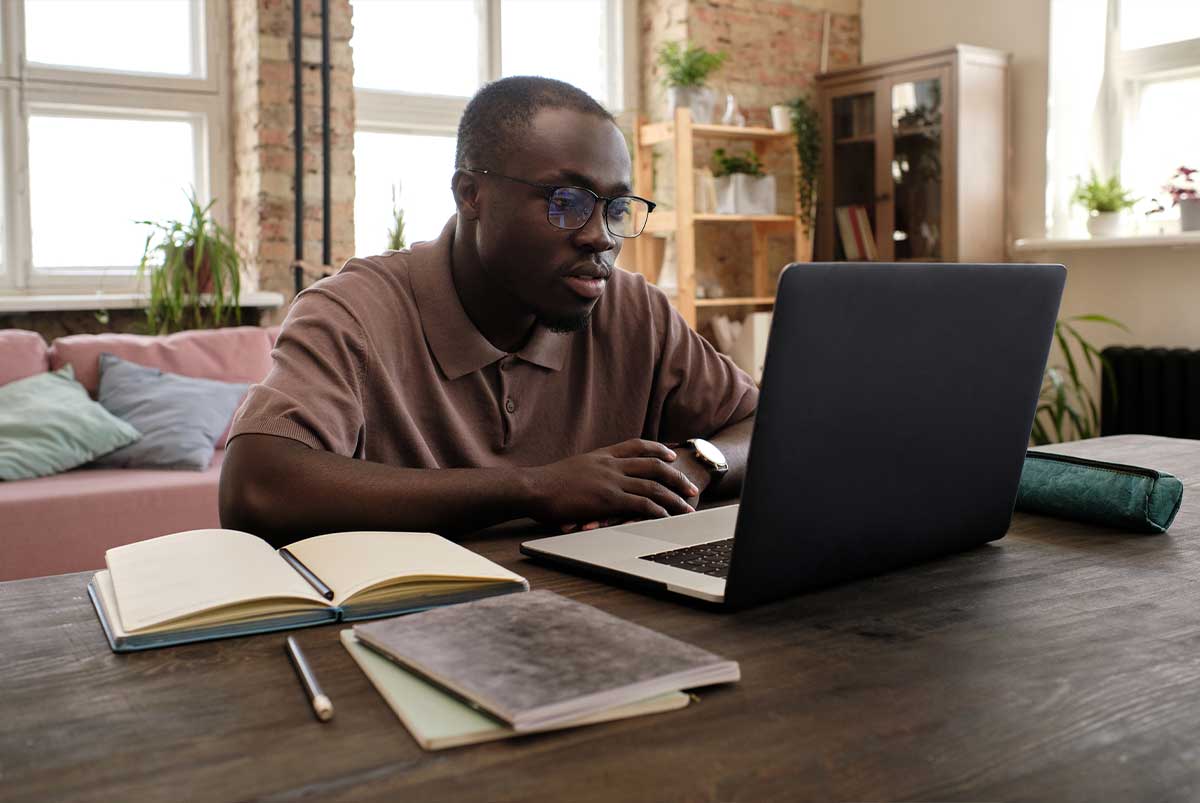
48, 424
22, 354
66, 522
180, 418
232, 354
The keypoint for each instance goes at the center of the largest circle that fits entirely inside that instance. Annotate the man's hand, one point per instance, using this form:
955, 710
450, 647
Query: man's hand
631, 480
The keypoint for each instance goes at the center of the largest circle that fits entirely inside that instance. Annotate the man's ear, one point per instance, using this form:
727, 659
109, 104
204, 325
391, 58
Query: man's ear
465, 186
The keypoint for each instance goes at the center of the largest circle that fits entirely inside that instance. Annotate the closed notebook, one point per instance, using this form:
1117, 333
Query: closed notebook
539, 660
208, 584
438, 720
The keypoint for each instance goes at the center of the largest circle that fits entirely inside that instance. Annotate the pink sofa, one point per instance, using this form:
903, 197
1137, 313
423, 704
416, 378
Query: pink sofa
64, 523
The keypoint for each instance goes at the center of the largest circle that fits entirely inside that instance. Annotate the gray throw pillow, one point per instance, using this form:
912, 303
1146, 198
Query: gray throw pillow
49, 424
180, 417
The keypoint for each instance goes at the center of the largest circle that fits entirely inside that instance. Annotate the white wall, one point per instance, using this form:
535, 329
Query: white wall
1154, 291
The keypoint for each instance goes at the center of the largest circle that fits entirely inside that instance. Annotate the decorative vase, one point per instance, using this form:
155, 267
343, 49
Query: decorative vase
742, 194
733, 115
702, 100
1189, 214
781, 118
1104, 224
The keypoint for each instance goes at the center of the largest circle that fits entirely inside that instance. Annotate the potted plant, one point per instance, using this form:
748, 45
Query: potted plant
1104, 200
806, 125
742, 186
687, 67
1067, 410
1184, 188
195, 274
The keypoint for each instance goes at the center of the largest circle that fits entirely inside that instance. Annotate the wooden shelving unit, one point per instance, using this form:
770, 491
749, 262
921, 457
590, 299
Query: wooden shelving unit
681, 134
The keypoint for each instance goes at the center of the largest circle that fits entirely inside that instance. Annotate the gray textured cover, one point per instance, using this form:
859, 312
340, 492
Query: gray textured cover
538, 658
180, 417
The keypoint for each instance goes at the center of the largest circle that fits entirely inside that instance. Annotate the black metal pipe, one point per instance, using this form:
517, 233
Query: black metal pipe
326, 67
298, 134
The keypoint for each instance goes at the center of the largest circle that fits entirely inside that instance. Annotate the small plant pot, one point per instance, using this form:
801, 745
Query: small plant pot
741, 194
1189, 214
1104, 224
702, 100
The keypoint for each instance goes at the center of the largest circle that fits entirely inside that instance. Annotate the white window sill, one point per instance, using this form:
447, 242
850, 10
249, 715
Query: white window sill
54, 302
1043, 244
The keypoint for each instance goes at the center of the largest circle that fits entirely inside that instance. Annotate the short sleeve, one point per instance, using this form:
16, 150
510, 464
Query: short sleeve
697, 390
314, 391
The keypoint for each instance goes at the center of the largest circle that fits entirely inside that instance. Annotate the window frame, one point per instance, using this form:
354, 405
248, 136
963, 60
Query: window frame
29, 88
397, 112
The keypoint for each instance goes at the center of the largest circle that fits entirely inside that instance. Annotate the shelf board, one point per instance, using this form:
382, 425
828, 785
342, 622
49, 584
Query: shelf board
735, 301
859, 140
780, 219
654, 133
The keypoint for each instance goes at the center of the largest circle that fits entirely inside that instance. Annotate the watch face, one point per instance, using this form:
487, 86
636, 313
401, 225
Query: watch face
711, 454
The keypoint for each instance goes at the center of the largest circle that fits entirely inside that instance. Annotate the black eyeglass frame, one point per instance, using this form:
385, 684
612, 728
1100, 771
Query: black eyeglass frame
550, 189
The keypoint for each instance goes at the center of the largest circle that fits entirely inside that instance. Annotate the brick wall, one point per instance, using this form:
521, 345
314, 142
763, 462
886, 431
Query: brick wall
264, 123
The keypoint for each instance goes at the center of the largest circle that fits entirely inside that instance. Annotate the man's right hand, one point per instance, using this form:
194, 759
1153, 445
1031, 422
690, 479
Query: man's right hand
630, 480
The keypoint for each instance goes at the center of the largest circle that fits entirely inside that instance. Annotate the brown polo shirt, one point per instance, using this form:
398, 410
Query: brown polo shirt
381, 362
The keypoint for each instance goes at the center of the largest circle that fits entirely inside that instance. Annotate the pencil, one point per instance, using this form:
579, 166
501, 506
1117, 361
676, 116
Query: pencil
321, 705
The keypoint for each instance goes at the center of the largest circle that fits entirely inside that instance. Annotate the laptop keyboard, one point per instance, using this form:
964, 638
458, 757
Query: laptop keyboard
711, 558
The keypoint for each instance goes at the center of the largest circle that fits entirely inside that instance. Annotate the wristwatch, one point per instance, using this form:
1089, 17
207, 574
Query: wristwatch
710, 456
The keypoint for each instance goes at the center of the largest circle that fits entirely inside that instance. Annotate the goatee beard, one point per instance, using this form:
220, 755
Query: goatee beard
566, 324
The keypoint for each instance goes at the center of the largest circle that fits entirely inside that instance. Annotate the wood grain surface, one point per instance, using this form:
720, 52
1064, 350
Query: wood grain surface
1060, 663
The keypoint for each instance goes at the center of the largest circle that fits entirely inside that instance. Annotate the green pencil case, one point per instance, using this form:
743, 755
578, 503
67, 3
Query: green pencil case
1112, 494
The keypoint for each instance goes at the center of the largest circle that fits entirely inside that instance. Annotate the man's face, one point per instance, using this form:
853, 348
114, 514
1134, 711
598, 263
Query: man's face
557, 274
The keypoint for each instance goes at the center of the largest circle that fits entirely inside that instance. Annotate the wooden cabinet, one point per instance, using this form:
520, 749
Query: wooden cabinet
921, 145
680, 135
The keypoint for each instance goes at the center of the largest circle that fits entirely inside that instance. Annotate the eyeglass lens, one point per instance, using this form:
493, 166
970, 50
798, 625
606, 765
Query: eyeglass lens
571, 208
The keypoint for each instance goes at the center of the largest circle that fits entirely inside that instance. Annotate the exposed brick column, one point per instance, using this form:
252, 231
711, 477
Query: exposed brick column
264, 122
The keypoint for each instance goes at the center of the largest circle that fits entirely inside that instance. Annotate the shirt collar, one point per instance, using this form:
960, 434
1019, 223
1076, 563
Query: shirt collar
457, 345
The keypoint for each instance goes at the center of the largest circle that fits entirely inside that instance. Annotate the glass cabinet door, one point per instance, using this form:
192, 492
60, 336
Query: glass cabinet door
854, 159
917, 169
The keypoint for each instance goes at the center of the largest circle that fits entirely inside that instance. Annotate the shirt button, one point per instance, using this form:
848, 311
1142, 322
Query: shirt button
510, 405
506, 364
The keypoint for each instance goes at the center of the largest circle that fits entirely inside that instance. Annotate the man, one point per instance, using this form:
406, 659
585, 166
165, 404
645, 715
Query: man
505, 370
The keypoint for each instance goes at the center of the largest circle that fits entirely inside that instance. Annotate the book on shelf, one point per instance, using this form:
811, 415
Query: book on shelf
438, 720
854, 227
537, 661
209, 584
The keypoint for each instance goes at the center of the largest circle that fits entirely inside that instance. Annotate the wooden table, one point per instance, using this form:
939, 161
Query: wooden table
1060, 663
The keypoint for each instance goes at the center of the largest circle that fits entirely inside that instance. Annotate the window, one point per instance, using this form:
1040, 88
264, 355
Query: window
102, 131
1125, 78
409, 99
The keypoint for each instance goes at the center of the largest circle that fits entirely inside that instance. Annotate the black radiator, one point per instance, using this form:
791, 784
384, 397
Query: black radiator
1150, 391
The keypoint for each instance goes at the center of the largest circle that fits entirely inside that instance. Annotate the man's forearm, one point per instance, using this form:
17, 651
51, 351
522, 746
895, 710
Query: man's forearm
734, 443
283, 491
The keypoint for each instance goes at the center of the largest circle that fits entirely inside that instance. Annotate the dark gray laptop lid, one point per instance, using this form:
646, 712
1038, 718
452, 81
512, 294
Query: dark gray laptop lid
896, 407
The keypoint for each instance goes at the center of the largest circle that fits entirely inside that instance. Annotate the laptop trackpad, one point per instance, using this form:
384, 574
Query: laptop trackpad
714, 524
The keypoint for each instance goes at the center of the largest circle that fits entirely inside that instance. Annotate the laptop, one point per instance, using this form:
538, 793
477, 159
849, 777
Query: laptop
894, 414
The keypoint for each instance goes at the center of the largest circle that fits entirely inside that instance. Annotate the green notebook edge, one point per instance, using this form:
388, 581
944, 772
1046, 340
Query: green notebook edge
437, 720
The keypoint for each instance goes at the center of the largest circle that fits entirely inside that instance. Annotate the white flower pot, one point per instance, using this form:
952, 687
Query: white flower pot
1104, 224
702, 100
1189, 214
740, 194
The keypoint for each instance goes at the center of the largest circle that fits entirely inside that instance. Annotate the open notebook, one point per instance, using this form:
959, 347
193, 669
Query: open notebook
210, 584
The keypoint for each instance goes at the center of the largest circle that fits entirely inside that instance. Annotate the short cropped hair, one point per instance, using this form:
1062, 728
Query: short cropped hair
500, 112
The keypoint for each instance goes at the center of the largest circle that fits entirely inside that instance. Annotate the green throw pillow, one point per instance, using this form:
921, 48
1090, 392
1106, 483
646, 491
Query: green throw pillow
49, 424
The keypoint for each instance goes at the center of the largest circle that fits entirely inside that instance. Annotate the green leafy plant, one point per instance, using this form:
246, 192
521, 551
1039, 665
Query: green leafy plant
396, 230
194, 272
1102, 196
1067, 409
806, 125
725, 164
687, 64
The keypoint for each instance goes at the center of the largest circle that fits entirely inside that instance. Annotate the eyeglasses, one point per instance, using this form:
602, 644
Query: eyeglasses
572, 207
